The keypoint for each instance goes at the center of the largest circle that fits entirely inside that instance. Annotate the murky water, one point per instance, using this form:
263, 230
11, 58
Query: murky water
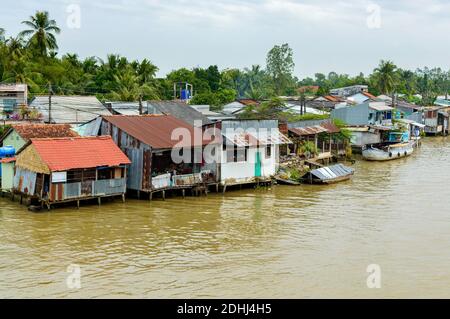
291, 242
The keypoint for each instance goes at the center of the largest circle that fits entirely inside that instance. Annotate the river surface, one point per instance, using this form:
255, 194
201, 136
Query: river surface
285, 242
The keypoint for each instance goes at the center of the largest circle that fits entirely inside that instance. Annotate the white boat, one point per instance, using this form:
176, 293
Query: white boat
387, 151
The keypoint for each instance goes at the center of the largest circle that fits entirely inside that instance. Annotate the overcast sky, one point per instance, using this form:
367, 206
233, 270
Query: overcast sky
346, 36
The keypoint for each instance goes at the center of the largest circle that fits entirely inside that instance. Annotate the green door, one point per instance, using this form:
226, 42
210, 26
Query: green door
258, 165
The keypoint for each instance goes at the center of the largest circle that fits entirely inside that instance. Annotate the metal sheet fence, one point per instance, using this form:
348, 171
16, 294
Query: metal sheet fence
90, 189
166, 180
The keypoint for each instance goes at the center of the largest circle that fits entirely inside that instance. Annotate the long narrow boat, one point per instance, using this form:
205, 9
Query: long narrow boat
387, 151
328, 175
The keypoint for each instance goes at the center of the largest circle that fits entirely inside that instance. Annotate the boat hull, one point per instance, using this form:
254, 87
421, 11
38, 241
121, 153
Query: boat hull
388, 154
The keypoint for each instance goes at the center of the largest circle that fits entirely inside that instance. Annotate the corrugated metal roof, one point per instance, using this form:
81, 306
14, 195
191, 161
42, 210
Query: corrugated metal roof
70, 109
241, 139
380, 107
13, 87
255, 138
61, 154
311, 130
29, 131
332, 172
156, 130
179, 110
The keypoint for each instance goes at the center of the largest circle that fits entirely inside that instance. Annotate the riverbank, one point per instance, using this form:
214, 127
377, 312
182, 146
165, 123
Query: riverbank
305, 241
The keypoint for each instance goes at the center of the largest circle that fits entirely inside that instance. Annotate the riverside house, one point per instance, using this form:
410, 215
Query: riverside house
59, 170
250, 151
367, 113
17, 136
148, 140
321, 134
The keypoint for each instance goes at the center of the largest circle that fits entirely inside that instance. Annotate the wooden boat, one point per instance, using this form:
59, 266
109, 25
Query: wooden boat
284, 181
387, 151
328, 175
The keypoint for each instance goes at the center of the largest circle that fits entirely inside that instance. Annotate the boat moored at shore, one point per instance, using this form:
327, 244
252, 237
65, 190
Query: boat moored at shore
387, 151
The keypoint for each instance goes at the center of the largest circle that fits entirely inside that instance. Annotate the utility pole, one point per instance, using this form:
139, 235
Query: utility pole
50, 93
140, 104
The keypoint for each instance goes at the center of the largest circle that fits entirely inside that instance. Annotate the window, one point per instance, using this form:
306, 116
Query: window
240, 154
74, 176
235, 155
268, 151
230, 155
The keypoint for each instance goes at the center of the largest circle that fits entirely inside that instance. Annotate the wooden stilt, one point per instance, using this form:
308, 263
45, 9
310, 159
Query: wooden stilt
78, 204
184, 193
164, 195
123, 198
217, 187
99, 201
150, 196
139, 194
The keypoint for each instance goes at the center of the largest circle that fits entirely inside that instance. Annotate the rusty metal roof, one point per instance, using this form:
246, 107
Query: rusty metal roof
326, 126
331, 127
29, 131
157, 130
62, 154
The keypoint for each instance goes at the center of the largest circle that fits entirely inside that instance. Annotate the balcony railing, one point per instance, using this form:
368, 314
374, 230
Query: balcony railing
167, 181
106, 187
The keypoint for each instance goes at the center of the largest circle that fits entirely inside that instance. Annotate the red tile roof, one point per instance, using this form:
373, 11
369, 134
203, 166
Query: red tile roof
29, 131
62, 154
157, 130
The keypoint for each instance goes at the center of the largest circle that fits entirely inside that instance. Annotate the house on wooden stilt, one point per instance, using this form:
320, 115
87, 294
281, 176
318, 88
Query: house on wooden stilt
60, 170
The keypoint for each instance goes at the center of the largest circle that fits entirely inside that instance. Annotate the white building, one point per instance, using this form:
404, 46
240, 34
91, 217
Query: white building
250, 151
12, 96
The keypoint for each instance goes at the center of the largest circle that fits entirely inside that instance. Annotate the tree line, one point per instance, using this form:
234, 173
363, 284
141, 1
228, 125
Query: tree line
31, 57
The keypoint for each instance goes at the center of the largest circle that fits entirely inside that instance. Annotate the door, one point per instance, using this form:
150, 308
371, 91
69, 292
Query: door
258, 164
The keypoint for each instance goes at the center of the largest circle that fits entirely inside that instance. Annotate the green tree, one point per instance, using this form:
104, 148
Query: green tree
386, 77
272, 109
42, 32
128, 88
280, 66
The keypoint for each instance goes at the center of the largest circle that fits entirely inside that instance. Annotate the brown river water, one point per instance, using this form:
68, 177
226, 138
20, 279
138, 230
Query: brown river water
285, 242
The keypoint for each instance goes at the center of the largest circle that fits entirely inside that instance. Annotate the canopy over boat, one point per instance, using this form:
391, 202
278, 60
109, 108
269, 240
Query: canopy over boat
329, 174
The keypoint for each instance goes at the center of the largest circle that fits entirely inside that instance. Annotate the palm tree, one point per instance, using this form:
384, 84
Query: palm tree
146, 70
386, 77
128, 88
41, 35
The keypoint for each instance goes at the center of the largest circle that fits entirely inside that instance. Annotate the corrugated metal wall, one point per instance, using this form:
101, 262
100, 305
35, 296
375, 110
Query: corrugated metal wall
25, 181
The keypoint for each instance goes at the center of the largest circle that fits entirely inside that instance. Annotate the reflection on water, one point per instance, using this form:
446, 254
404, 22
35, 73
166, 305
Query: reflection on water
306, 241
